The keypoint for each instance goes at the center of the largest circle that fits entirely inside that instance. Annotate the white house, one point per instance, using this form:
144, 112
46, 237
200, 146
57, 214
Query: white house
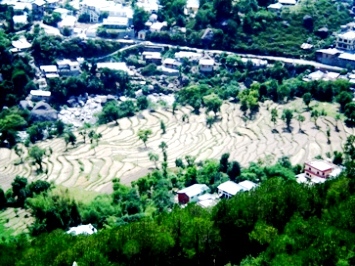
119, 66
20, 20
20, 45
50, 71
229, 189
206, 65
191, 193
247, 185
87, 229
188, 55
276, 8
288, 2
68, 67
157, 26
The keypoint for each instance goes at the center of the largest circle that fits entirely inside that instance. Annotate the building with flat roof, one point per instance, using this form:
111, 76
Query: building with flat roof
346, 41
119, 66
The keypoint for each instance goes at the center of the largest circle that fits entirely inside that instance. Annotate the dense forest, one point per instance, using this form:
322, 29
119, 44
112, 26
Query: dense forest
280, 222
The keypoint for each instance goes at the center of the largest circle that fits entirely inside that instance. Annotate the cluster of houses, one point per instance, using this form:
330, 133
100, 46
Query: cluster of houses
315, 172
199, 193
171, 66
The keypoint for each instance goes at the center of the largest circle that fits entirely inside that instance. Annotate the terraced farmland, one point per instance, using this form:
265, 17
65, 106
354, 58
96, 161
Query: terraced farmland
121, 154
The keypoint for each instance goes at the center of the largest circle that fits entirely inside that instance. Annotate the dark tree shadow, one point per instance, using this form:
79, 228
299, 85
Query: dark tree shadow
275, 131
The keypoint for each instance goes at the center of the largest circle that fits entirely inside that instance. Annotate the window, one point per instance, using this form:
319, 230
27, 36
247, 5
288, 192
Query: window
309, 168
317, 173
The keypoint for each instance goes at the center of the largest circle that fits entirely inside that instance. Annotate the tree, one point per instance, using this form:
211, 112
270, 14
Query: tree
274, 116
234, 170
222, 8
19, 152
142, 102
140, 17
37, 154
287, 115
3, 200
350, 112
307, 97
223, 163
343, 99
69, 137
84, 131
174, 107
143, 135
300, 119
19, 190
337, 118
315, 115
154, 158
210, 120
162, 127
109, 113
338, 157
213, 103
60, 127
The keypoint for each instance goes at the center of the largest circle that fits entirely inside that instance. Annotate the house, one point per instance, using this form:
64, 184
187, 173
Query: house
288, 2
39, 95
206, 65
247, 185
118, 66
152, 57
116, 23
20, 20
191, 193
306, 46
255, 62
20, 45
49, 71
95, 8
68, 67
318, 168
207, 200
68, 22
191, 56
319, 75
142, 34
346, 59
346, 41
171, 63
192, 7
318, 171
328, 56
157, 26
229, 189
82, 230
275, 8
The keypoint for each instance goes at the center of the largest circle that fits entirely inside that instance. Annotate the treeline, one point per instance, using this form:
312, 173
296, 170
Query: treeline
279, 223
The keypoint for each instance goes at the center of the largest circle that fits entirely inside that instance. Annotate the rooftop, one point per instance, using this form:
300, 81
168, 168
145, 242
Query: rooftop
171, 61
40, 93
194, 190
320, 165
20, 19
206, 62
275, 6
347, 56
330, 51
39, 2
248, 185
114, 66
118, 21
49, 68
21, 43
288, 2
349, 35
230, 187
82, 229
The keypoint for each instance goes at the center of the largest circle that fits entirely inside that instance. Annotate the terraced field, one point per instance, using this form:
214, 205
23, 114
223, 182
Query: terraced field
121, 154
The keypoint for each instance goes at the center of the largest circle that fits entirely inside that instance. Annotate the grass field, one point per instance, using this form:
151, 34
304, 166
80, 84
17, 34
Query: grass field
121, 154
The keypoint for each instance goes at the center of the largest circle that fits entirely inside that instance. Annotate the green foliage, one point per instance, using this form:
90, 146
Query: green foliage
37, 154
140, 17
150, 70
52, 211
113, 111
287, 115
213, 103
143, 135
